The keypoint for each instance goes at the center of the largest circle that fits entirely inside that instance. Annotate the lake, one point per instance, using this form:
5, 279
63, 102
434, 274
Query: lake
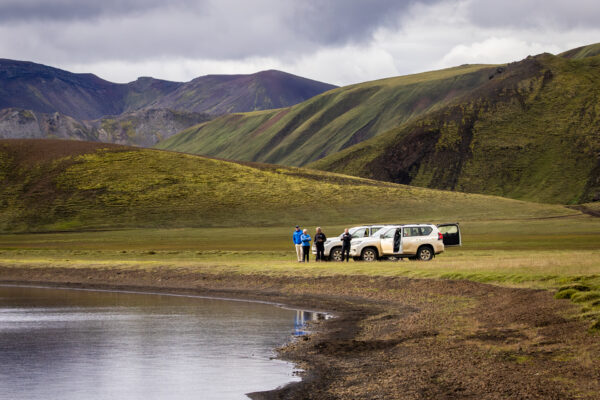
81, 344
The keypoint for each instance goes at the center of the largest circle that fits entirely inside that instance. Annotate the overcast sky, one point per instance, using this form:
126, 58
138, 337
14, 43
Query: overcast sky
336, 41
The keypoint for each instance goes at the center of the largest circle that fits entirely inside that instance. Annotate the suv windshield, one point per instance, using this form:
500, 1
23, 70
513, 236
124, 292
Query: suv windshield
359, 232
385, 233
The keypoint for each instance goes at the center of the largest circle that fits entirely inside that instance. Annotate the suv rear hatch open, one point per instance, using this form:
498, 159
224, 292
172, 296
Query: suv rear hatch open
451, 234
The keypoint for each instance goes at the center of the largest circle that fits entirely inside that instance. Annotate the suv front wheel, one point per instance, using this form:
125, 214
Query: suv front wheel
336, 254
425, 253
369, 254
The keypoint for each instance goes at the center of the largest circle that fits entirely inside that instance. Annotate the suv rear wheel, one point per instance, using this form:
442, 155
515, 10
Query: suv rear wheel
336, 254
425, 253
369, 254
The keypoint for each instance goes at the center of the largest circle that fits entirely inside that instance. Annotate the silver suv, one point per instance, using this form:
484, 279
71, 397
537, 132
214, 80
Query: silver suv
333, 247
414, 241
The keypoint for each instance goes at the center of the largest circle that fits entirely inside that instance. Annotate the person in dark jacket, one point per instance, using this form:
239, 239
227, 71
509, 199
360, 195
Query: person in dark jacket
320, 239
397, 241
346, 239
305, 245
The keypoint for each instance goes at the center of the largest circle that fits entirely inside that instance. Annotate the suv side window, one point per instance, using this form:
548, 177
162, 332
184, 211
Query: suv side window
375, 229
426, 230
417, 231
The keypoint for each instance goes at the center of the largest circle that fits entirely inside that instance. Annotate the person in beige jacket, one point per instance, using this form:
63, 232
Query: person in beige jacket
296, 238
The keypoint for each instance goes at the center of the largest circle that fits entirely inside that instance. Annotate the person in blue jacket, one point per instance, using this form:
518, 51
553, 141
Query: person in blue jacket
305, 244
298, 242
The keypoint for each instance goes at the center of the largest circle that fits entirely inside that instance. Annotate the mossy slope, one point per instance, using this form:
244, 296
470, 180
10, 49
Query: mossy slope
591, 50
62, 185
531, 132
329, 122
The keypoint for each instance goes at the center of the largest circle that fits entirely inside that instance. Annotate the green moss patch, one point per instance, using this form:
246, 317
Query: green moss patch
565, 294
582, 297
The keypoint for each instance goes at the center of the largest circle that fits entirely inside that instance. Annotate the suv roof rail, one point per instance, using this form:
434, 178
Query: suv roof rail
414, 223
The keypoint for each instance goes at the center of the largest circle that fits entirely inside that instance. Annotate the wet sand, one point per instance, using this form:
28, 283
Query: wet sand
395, 338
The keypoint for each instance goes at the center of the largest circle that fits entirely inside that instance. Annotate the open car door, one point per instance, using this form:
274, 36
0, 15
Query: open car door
451, 234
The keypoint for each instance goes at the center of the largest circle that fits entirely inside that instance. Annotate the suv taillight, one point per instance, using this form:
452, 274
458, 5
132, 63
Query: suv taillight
440, 236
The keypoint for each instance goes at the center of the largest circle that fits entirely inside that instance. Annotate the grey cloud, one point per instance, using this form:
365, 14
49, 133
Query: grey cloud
87, 32
550, 14
16, 11
84, 31
338, 21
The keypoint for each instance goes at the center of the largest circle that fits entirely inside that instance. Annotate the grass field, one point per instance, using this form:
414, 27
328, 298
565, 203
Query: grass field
73, 186
217, 216
553, 253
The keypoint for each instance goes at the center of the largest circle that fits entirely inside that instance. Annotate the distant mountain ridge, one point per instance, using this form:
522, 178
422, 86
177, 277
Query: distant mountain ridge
36, 87
39, 101
224, 94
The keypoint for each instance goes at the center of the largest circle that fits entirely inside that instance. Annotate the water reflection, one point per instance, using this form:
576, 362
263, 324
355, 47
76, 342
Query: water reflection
302, 319
67, 344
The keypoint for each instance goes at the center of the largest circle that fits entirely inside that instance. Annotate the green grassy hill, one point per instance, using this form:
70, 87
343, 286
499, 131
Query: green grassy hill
531, 133
329, 122
526, 130
54, 185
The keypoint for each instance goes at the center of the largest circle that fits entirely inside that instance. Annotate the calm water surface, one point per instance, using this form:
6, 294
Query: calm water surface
76, 344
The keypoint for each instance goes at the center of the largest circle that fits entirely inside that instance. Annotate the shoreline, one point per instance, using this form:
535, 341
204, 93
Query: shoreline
117, 289
29, 277
392, 337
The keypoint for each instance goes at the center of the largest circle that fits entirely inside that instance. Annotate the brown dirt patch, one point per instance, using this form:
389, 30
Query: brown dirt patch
26, 152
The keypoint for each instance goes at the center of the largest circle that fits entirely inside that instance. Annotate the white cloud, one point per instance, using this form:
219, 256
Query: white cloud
338, 66
172, 68
494, 50
344, 65
444, 35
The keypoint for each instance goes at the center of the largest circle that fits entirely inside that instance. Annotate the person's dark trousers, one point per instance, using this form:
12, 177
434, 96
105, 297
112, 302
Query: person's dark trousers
320, 252
305, 253
346, 253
